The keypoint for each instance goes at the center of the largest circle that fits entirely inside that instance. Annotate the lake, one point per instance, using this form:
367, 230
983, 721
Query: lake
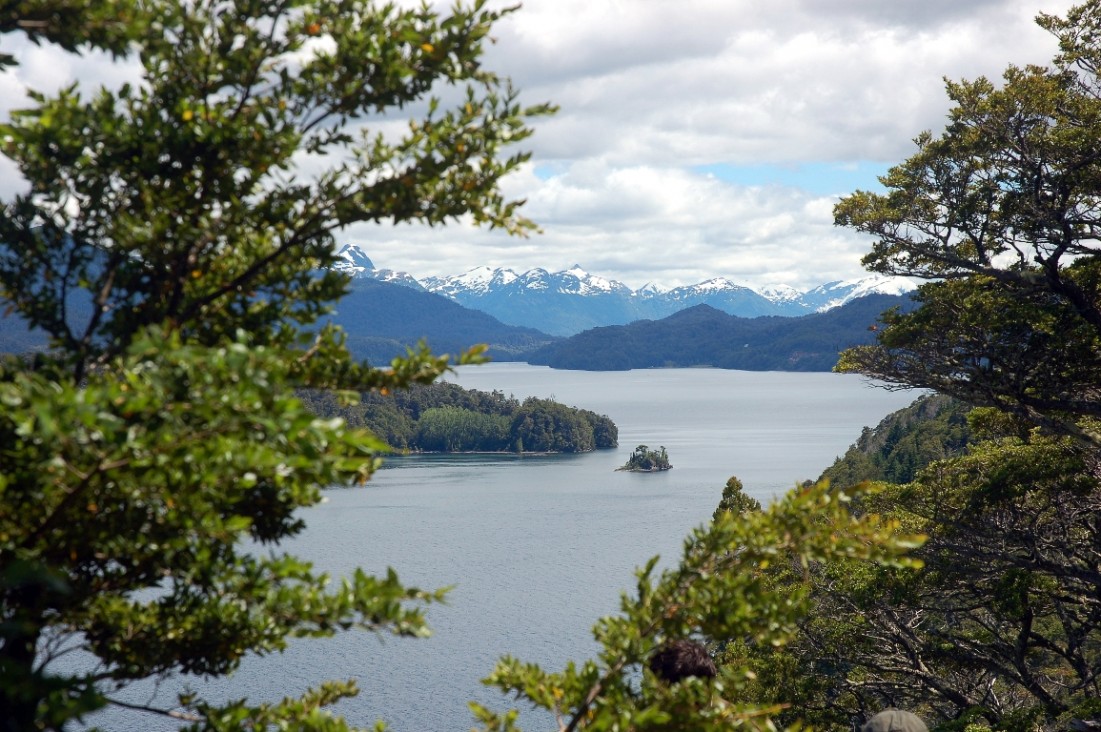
539, 547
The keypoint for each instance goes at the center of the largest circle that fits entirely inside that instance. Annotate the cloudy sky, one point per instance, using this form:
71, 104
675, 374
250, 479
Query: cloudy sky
702, 138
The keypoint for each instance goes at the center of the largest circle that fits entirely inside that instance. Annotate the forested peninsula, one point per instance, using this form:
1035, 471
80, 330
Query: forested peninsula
935, 427
445, 417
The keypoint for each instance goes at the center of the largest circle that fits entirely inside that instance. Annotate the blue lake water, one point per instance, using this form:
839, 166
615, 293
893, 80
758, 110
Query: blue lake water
539, 547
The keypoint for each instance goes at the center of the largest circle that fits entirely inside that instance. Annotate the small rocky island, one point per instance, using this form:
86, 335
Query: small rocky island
645, 460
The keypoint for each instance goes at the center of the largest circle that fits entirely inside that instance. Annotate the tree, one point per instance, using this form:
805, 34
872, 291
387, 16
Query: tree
177, 255
1000, 213
735, 499
933, 428
1002, 626
643, 459
719, 590
544, 425
110, 25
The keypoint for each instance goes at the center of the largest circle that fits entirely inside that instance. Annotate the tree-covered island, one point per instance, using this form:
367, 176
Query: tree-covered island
645, 460
445, 417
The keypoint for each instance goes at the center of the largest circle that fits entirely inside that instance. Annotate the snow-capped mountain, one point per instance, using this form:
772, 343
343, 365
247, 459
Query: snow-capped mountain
355, 262
563, 303
721, 294
477, 280
573, 300
834, 294
484, 281
781, 294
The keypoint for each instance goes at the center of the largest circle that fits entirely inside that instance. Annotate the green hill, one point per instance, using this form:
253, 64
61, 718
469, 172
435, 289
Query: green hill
933, 428
704, 336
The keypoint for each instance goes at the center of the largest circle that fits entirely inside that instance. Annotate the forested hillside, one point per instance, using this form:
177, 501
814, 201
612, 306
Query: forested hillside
704, 336
933, 428
445, 417
1000, 628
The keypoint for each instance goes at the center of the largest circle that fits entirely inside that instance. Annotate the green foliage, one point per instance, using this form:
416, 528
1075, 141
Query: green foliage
543, 425
999, 212
1002, 625
719, 590
934, 427
1002, 630
448, 418
74, 25
162, 431
149, 475
451, 429
196, 136
735, 500
180, 270
645, 460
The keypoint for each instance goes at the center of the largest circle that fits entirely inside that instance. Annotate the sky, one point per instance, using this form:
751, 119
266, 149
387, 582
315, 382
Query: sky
694, 138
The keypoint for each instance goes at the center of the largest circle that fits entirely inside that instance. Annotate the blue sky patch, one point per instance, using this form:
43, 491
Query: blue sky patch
824, 179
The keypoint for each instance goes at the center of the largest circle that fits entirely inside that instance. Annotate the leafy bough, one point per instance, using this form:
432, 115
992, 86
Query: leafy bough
718, 591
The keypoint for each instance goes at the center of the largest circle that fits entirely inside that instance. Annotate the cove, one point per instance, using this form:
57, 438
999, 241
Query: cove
538, 547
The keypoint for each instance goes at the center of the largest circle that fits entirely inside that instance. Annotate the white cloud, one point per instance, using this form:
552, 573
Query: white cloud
644, 224
654, 93
650, 90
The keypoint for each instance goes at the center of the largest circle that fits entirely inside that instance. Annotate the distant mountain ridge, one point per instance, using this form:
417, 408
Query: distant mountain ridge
382, 319
387, 312
568, 302
703, 336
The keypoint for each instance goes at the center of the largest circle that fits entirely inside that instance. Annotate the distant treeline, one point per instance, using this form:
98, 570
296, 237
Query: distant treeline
445, 417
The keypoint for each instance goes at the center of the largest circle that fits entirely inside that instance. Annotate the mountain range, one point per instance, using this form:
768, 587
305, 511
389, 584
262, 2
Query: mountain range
382, 319
568, 302
384, 313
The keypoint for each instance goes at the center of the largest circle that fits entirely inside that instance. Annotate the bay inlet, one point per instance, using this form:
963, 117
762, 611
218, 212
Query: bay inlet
538, 547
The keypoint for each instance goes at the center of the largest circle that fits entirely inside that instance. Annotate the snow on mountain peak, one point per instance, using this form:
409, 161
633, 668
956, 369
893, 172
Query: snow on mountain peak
599, 284
715, 284
489, 288
592, 284
648, 290
479, 279
780, 293
573, 281
474, 277
833, 294
355, 260
887, 285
